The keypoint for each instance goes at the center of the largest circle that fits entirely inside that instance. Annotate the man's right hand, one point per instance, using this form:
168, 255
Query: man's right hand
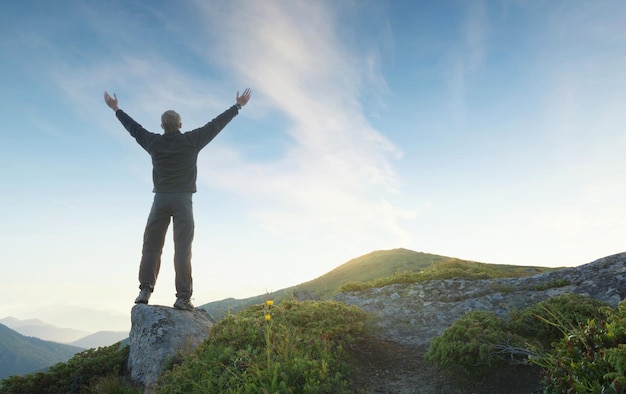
112, 101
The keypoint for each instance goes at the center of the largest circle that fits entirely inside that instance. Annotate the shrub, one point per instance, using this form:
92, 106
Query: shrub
547, 321
478, 340
591, 358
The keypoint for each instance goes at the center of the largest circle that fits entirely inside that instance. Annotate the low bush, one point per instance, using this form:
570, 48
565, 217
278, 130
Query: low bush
476, 341
590, 358
480, 339
548, 321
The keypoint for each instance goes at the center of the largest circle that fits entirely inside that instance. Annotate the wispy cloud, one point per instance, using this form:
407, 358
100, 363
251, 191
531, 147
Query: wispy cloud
337, 173
468, 55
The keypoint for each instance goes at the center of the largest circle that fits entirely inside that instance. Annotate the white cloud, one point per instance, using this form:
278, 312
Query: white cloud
468, 56
337, 169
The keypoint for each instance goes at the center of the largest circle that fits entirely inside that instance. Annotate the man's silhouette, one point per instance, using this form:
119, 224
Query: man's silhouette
174, 172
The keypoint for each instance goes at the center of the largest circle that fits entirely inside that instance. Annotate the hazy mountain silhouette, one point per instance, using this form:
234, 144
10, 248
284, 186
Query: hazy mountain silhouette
20, 354
100, 338
42, 330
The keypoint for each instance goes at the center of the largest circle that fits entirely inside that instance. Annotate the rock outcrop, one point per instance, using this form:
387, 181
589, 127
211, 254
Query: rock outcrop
158, 333
412, 314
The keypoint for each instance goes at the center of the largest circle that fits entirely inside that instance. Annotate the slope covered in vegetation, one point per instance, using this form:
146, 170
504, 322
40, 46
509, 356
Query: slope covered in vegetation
375, 269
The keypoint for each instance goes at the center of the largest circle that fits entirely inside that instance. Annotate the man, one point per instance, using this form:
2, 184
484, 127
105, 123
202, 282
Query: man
174, 171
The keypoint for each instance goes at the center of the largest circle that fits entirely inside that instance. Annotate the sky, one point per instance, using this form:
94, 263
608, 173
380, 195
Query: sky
491, 131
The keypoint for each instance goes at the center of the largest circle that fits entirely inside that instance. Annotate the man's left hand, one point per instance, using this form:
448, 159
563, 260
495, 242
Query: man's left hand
243, 99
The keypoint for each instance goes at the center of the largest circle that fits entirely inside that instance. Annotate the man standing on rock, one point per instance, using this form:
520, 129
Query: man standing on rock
174, 171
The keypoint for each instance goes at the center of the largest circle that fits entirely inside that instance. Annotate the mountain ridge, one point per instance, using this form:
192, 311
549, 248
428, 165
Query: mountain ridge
68, 336
100, 339
368, 267
39, 329
20, 354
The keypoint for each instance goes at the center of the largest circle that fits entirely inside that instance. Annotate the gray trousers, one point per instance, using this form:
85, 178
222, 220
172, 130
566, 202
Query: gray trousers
178, 206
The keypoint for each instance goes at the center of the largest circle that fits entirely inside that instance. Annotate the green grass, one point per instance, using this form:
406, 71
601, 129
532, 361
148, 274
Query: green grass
449, 268
291, 348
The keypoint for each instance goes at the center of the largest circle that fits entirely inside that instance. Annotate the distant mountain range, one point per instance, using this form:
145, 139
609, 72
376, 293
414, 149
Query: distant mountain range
20, 354
30, 345
42, 330
69, 336
100, 338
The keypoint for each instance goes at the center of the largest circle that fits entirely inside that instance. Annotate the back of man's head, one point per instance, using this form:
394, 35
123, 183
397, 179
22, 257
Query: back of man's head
170, 121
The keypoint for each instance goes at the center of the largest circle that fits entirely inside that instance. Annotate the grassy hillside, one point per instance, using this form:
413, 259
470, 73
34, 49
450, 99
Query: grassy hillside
20, 354
372, 266
369, 268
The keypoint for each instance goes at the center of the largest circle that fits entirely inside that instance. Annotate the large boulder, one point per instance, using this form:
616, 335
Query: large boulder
158, 333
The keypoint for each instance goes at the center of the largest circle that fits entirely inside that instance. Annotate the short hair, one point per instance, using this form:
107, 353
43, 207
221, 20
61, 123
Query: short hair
170, 120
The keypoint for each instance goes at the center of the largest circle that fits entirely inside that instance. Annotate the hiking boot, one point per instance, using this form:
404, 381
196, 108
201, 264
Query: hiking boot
184, 304
143, 297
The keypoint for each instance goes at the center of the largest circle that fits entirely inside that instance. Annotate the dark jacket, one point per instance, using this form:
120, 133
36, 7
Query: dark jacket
175, 154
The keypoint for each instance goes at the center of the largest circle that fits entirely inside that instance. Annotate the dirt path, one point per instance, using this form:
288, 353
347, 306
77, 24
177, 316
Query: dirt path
391, 368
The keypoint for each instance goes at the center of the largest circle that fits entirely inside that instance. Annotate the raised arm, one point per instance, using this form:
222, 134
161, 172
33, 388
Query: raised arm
141, 135
112, 101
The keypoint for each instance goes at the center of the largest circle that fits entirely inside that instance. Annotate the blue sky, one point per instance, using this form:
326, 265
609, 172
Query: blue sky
485, 130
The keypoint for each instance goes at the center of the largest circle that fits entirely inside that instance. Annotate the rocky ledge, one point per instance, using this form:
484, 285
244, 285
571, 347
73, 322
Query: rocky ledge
412, 314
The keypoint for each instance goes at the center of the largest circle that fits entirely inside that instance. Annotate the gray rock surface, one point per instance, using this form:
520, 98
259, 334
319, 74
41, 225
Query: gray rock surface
158, 333
412, 314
